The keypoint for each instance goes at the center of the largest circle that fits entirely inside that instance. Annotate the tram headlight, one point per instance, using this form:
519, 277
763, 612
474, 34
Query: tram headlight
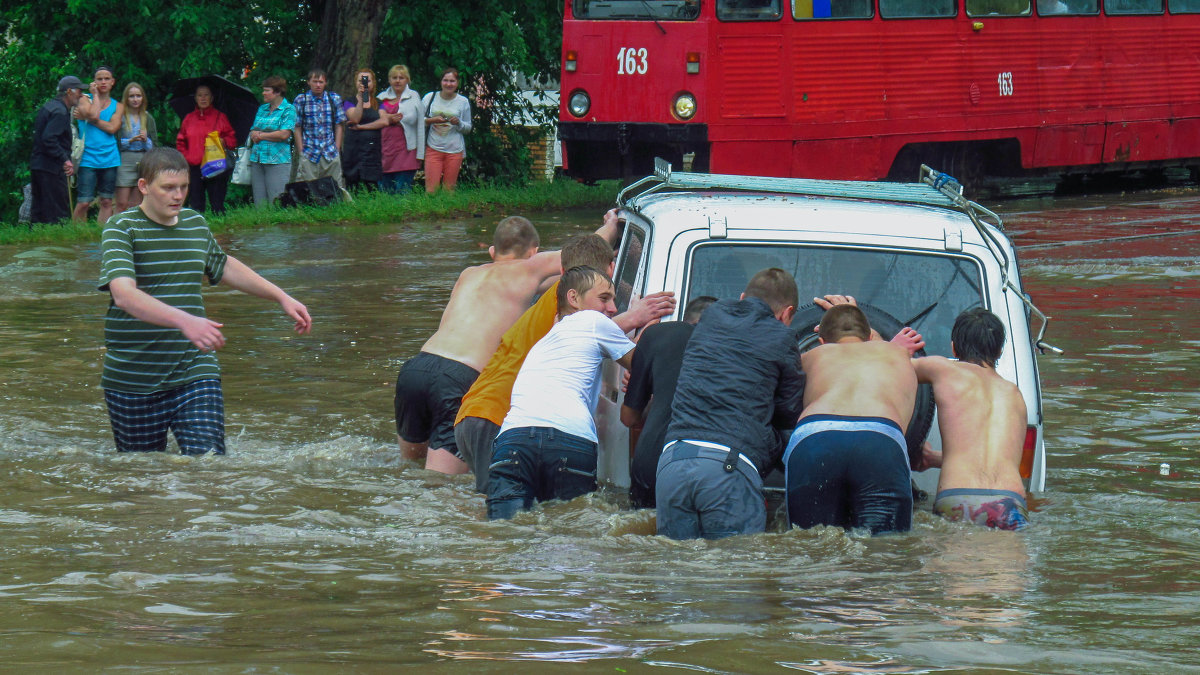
579, 103
685, 106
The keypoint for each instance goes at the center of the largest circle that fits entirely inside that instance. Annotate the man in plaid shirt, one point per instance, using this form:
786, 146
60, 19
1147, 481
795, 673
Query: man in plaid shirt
319, 120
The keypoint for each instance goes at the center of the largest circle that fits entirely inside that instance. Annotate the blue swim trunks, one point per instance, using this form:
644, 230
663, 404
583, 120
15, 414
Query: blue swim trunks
1000, 509
850, 472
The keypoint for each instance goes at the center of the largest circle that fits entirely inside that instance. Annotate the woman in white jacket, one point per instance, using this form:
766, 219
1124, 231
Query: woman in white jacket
403, 140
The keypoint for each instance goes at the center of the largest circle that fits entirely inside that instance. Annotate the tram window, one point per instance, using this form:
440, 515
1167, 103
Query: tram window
1069, 7
998, 8
1185, 6
803, 10
674, 10
749, 10
1133, 6
913, 9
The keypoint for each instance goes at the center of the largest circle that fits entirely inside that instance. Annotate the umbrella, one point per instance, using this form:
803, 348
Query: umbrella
238, 103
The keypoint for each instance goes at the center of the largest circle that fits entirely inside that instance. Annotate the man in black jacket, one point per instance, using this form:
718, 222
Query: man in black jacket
739, 386
50, 163
650, 392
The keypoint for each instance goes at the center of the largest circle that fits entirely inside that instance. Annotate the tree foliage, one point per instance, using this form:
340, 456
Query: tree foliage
155, 44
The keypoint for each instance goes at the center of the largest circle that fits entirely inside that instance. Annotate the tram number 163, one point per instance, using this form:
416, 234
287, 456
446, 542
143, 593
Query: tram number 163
631, 61
1005, 82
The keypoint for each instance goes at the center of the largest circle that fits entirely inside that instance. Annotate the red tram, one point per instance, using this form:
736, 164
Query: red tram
870, 89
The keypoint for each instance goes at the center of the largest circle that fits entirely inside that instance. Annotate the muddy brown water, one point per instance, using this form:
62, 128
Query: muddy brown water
312, 547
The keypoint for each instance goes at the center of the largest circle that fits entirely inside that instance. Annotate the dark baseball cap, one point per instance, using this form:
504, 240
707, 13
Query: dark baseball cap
69, 82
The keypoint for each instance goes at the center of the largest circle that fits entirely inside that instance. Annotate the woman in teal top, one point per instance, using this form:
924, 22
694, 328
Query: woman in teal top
271, 135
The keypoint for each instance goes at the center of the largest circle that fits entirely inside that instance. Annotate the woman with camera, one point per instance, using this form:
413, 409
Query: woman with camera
362, 159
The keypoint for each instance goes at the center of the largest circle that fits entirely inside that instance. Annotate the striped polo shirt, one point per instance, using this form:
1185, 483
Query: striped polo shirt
169, 263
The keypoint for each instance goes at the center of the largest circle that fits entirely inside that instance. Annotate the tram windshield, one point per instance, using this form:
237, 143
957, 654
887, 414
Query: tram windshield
666, 10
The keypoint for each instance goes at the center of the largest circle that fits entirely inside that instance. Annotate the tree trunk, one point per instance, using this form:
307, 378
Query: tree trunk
349, 33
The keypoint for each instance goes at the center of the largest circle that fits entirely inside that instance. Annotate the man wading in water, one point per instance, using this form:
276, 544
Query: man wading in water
485, 301
982, 418
159, 369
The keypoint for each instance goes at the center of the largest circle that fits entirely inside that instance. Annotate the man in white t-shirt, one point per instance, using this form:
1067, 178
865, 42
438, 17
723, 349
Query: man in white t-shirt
546, 448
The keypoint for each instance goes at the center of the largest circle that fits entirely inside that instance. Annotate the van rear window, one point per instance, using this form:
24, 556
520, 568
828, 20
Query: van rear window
922, 290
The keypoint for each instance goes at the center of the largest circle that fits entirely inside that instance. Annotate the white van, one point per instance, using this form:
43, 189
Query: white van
911, 254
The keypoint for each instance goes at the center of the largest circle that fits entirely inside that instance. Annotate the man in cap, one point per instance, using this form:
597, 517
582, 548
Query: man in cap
50, 162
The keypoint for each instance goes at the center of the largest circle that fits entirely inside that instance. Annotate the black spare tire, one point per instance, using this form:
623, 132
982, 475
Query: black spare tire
809, 316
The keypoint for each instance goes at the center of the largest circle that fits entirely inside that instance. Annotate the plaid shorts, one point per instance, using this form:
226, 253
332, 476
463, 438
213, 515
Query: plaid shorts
195, 413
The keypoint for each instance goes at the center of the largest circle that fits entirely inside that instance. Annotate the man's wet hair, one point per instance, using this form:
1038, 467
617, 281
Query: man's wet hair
696, 307
775, 287
978, 337
515, 235
844, 321
581, 279
160, 160
587, 250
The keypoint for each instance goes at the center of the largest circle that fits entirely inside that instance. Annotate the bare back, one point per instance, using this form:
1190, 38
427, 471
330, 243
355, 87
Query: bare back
982, 420
860, 379
485, 302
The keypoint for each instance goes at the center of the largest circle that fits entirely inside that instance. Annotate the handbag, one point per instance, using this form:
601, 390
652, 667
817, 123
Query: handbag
214, 156
76, 145
241, 168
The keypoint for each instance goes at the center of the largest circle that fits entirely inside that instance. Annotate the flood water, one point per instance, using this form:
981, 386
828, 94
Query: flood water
312, 547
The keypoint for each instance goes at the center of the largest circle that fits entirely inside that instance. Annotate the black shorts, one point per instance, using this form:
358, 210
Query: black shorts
429, 390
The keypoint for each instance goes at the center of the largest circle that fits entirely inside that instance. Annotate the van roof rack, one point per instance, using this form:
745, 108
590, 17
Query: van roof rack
934, 188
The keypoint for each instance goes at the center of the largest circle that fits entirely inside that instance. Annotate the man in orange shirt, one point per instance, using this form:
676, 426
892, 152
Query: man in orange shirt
487, 402
430, 384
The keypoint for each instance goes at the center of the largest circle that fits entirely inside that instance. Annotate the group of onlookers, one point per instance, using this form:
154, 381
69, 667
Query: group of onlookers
374, 140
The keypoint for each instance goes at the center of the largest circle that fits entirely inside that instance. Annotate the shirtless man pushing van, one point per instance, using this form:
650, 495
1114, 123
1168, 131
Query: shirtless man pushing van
485, 301
982, 420
846, 463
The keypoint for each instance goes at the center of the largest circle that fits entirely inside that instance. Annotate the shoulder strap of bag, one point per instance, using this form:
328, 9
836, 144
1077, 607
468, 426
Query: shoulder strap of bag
429, 108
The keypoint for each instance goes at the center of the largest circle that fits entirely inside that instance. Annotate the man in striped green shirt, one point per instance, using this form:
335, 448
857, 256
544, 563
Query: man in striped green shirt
160, 370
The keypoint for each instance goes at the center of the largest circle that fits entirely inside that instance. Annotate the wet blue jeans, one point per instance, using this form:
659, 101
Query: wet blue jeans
538, 463
696, 497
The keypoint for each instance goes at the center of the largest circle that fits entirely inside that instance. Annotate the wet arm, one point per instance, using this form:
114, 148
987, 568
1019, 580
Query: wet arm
202, 332
929, 368
631, 417
643, 311
240, 277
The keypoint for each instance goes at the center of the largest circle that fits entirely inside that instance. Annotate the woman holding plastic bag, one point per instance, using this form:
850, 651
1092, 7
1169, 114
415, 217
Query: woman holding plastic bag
204, 136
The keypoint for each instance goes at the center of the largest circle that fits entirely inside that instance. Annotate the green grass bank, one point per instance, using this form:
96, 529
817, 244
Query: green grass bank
366, 209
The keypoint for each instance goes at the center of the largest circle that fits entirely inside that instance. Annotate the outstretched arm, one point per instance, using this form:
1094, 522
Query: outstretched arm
549, 263
611, 229
202, 332
930, 368
240, 277
643, 311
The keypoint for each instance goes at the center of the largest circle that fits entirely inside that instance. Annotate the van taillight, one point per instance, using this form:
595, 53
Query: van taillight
1027, 452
